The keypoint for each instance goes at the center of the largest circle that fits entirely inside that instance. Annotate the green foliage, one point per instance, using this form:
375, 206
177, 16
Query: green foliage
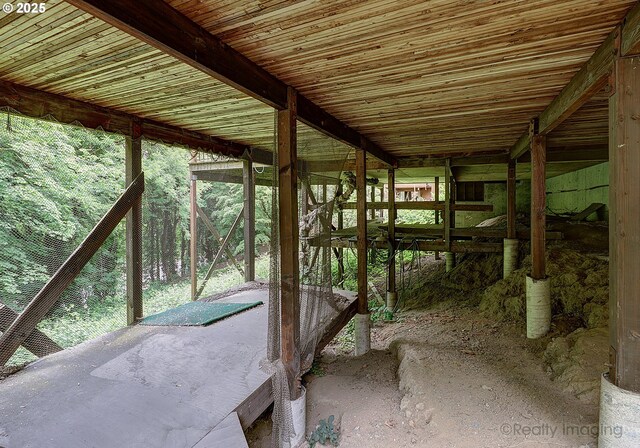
324, 433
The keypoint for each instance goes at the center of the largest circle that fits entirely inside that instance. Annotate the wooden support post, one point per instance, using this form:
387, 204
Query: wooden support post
340, 253
538, 286
511, 199
624, 219
289, 262
372, 212
447, 204
193, 227
538, 205
361, 191
133, 167
362, 322
436, 217
391, 267
249, 190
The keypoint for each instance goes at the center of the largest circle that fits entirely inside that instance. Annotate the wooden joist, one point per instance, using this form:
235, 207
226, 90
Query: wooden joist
46, 298
592, 77
156, 23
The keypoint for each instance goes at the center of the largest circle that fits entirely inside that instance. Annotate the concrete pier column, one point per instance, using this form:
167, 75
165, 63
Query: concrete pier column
362, 333
538, 307
619, 419
450, 261
510, 262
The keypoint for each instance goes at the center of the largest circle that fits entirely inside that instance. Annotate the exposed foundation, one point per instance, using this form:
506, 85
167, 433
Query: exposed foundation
298, 414
619, 418
392, 300
450, 261
362, 334
510, 263
538, 307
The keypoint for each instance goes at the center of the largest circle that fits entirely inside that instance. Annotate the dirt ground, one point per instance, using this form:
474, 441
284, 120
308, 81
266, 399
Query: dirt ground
444, 377
455, 370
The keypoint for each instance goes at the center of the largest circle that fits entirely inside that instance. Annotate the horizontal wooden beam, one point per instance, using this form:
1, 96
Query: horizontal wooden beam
423, 205
44, 300
217, 176
591, 78
42, 105
630, 40
426, 246
158, 24
469, 232
572, 154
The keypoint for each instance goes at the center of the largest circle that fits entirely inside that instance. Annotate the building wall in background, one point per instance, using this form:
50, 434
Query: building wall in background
496, 194
573, 192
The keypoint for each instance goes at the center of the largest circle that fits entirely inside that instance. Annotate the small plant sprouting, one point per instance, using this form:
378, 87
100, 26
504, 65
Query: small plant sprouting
324, 432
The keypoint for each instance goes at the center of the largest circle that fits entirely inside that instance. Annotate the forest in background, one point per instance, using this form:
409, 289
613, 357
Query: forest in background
56, 182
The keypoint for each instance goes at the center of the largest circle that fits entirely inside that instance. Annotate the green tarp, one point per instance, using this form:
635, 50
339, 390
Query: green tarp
197, 313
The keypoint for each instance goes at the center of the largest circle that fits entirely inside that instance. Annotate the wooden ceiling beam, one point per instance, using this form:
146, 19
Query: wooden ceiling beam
591, 78
161, 26
35, 103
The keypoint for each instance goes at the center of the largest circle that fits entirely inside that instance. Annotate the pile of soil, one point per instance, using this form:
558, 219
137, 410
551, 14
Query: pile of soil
577, 361
579, 288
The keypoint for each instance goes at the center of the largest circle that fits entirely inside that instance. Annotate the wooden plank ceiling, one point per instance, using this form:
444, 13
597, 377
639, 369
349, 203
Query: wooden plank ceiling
417, 77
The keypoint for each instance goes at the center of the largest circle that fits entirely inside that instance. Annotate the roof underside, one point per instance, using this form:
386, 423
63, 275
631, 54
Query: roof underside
416, 77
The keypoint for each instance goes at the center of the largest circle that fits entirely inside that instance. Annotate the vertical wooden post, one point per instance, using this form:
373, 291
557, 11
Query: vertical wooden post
361, 191
249, 190
133, 163
193, 228
538, 205
436, 197
391, 211
372, 212
447, 205
362, 322
340, 250
511, 199
538, 286
624, 221
289, 244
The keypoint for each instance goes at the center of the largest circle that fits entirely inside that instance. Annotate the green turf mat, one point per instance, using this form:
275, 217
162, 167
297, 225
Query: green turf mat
197, 313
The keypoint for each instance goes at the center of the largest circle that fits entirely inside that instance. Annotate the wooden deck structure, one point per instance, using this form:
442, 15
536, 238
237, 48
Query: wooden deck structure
165, 386
460, 91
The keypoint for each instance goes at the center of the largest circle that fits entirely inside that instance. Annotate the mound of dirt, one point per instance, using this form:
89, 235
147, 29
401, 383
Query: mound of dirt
579, 288
430, 284
577, 361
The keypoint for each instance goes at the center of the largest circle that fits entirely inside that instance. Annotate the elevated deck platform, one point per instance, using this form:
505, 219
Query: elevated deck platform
146, 386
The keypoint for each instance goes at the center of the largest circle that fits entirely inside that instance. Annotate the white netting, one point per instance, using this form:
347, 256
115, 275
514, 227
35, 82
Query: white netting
320, 163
